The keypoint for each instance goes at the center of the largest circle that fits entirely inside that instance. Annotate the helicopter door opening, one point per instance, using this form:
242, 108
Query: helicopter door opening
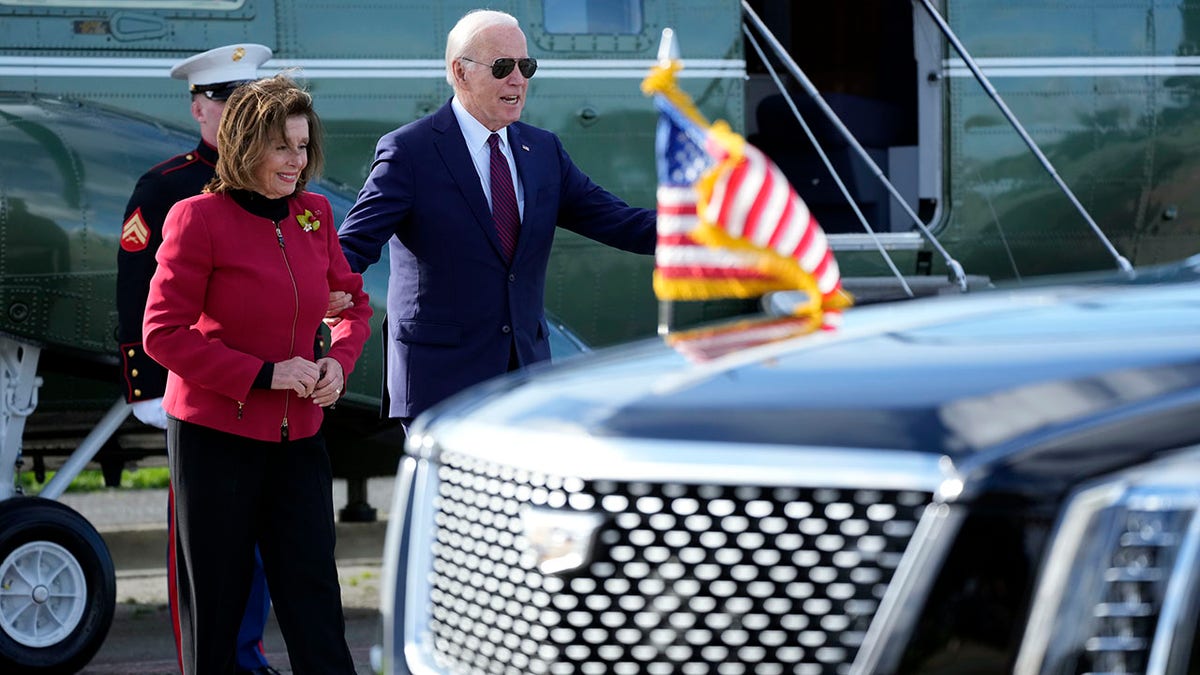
877, 64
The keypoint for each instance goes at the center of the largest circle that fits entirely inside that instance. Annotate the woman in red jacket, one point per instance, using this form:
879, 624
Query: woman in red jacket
244, 276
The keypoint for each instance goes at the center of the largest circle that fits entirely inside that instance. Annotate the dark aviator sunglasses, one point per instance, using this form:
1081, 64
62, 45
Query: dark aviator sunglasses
502, 67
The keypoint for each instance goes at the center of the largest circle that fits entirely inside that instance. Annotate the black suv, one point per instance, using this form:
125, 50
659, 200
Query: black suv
999, 482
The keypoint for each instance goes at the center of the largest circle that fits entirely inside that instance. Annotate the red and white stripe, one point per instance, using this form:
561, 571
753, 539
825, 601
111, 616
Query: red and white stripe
703, 345
755, 202
679, 256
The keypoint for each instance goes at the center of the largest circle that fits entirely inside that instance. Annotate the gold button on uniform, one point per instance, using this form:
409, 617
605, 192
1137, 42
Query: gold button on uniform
137, 392
132, 353
133, 373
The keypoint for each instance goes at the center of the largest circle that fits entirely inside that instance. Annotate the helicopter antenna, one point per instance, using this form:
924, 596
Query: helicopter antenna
1122, 262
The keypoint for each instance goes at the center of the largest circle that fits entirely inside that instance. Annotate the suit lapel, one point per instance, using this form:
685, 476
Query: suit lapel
453, 150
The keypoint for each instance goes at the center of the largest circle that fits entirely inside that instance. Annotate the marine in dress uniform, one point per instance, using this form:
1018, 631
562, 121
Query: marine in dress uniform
157, 190
212, 76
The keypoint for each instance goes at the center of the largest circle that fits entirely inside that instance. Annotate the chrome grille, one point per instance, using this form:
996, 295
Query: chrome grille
1133, 590
685, 578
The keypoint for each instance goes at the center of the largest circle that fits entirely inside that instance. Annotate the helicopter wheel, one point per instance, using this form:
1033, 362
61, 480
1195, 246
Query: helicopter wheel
57, 588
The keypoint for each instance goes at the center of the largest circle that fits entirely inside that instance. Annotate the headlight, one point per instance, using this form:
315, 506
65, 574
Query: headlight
1118, 592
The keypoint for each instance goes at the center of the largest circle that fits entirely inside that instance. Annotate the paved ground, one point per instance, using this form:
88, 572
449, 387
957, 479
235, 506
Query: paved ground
140, 643
112, 509
132, 523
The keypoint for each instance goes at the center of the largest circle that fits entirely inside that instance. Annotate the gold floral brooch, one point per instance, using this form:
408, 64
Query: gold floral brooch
308, 221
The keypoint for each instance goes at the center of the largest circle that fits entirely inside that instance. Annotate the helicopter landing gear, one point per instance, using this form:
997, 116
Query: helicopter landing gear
57, 588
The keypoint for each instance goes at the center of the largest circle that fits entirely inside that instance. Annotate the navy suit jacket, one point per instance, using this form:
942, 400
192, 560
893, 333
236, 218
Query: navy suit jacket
455, 307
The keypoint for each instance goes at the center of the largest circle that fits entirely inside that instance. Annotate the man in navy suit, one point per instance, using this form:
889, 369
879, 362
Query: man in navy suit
468, 265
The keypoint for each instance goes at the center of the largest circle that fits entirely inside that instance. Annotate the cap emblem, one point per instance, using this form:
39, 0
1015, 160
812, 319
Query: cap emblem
239, 54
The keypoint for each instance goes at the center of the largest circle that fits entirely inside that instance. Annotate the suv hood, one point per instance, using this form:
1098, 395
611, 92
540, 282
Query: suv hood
956, 376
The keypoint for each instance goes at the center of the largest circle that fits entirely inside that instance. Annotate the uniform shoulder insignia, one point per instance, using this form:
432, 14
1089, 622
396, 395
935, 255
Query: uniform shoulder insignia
135, 234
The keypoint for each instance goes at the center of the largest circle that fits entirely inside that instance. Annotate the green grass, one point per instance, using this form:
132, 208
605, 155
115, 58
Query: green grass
90, 481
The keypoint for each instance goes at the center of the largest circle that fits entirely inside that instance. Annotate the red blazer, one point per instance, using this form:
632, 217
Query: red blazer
228, 296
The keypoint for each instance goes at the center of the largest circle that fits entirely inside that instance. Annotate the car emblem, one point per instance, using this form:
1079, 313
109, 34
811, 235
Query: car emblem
561, 541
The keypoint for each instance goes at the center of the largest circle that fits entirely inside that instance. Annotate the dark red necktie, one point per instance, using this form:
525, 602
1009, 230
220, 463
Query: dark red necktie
504, 200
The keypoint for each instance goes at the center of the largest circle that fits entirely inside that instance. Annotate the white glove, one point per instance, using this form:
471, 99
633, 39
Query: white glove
151, 412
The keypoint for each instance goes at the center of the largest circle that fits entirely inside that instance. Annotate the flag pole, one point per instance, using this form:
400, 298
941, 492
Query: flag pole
666, 316
668, 51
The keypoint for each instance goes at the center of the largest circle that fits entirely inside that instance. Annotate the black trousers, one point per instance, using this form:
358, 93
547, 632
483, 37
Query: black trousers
231, 492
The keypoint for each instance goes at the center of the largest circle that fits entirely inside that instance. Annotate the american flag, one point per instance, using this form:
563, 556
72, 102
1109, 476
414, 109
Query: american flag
754, 235
684, 268
754, 202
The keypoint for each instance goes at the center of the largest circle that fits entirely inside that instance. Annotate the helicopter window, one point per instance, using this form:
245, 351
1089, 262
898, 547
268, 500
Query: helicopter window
593, 16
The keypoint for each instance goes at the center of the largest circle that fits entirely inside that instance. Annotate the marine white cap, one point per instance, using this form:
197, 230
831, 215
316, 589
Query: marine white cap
229, 66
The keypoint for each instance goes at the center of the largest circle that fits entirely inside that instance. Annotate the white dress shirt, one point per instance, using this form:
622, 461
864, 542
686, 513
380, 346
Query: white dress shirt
476, 135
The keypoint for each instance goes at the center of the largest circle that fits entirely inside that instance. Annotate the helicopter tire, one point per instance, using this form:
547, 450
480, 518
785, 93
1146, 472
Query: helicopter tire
57, 588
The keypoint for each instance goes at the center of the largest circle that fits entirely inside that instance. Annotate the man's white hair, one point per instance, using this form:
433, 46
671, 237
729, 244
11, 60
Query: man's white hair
462, 36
